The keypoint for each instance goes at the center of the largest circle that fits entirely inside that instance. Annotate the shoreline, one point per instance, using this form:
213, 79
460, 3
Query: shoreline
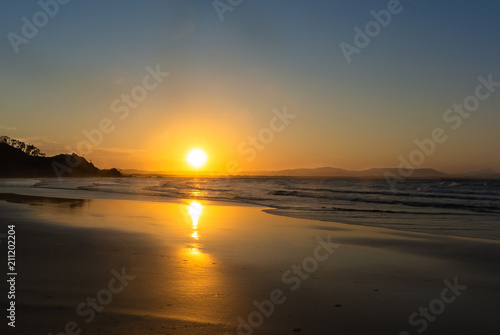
274, 211
27, 198
238, 255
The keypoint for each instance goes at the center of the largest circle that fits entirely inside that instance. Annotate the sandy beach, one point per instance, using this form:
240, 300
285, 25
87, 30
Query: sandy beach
238, 167
100, 266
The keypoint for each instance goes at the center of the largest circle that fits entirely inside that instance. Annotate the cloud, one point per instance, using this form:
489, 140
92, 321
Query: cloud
7, 128
38, 140
119, 151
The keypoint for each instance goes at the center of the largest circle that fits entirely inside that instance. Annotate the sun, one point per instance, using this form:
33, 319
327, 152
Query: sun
196, 158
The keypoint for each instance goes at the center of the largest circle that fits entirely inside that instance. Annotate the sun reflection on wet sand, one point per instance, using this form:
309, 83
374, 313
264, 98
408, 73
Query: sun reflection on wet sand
195, 209
190, 258
195, 235
198, 285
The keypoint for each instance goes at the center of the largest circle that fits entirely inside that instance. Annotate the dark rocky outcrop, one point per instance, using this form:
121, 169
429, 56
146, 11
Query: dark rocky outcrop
16, 163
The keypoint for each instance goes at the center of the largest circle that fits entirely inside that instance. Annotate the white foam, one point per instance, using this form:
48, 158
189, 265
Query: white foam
18, 182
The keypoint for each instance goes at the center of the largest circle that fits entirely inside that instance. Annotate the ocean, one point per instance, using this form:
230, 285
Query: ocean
468, 208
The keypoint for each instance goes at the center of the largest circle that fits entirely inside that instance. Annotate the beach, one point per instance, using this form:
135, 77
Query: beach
98, 266
237, 167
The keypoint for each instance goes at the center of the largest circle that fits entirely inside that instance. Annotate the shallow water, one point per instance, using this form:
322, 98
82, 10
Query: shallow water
468, 208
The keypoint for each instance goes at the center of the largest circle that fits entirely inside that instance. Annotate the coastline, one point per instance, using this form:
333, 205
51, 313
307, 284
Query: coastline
204, 282
428, 206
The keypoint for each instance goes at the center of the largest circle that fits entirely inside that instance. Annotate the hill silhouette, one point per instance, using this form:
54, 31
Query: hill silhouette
421, 173
15, 163
331, 172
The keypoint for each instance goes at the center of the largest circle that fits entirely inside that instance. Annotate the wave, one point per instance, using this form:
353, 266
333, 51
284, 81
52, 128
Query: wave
428, 205
428, 193
432, 197
355, 210
393, 200
19, 182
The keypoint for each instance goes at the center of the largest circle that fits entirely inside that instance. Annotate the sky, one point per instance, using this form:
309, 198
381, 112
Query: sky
257, 84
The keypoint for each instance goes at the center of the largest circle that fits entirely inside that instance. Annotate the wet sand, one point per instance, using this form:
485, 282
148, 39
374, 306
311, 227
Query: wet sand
201, 268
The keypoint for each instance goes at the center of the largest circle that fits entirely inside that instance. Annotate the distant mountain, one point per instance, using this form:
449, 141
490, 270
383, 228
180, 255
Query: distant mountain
417, 173
482, 174
144, 172
16, 163
322, 171
341, 173
331, 172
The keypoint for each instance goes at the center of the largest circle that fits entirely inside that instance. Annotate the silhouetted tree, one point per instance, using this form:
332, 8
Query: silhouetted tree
29, 149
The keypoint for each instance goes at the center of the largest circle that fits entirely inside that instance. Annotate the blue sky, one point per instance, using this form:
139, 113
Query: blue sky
227, 76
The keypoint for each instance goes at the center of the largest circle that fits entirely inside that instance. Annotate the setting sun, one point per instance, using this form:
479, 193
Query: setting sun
196, 158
